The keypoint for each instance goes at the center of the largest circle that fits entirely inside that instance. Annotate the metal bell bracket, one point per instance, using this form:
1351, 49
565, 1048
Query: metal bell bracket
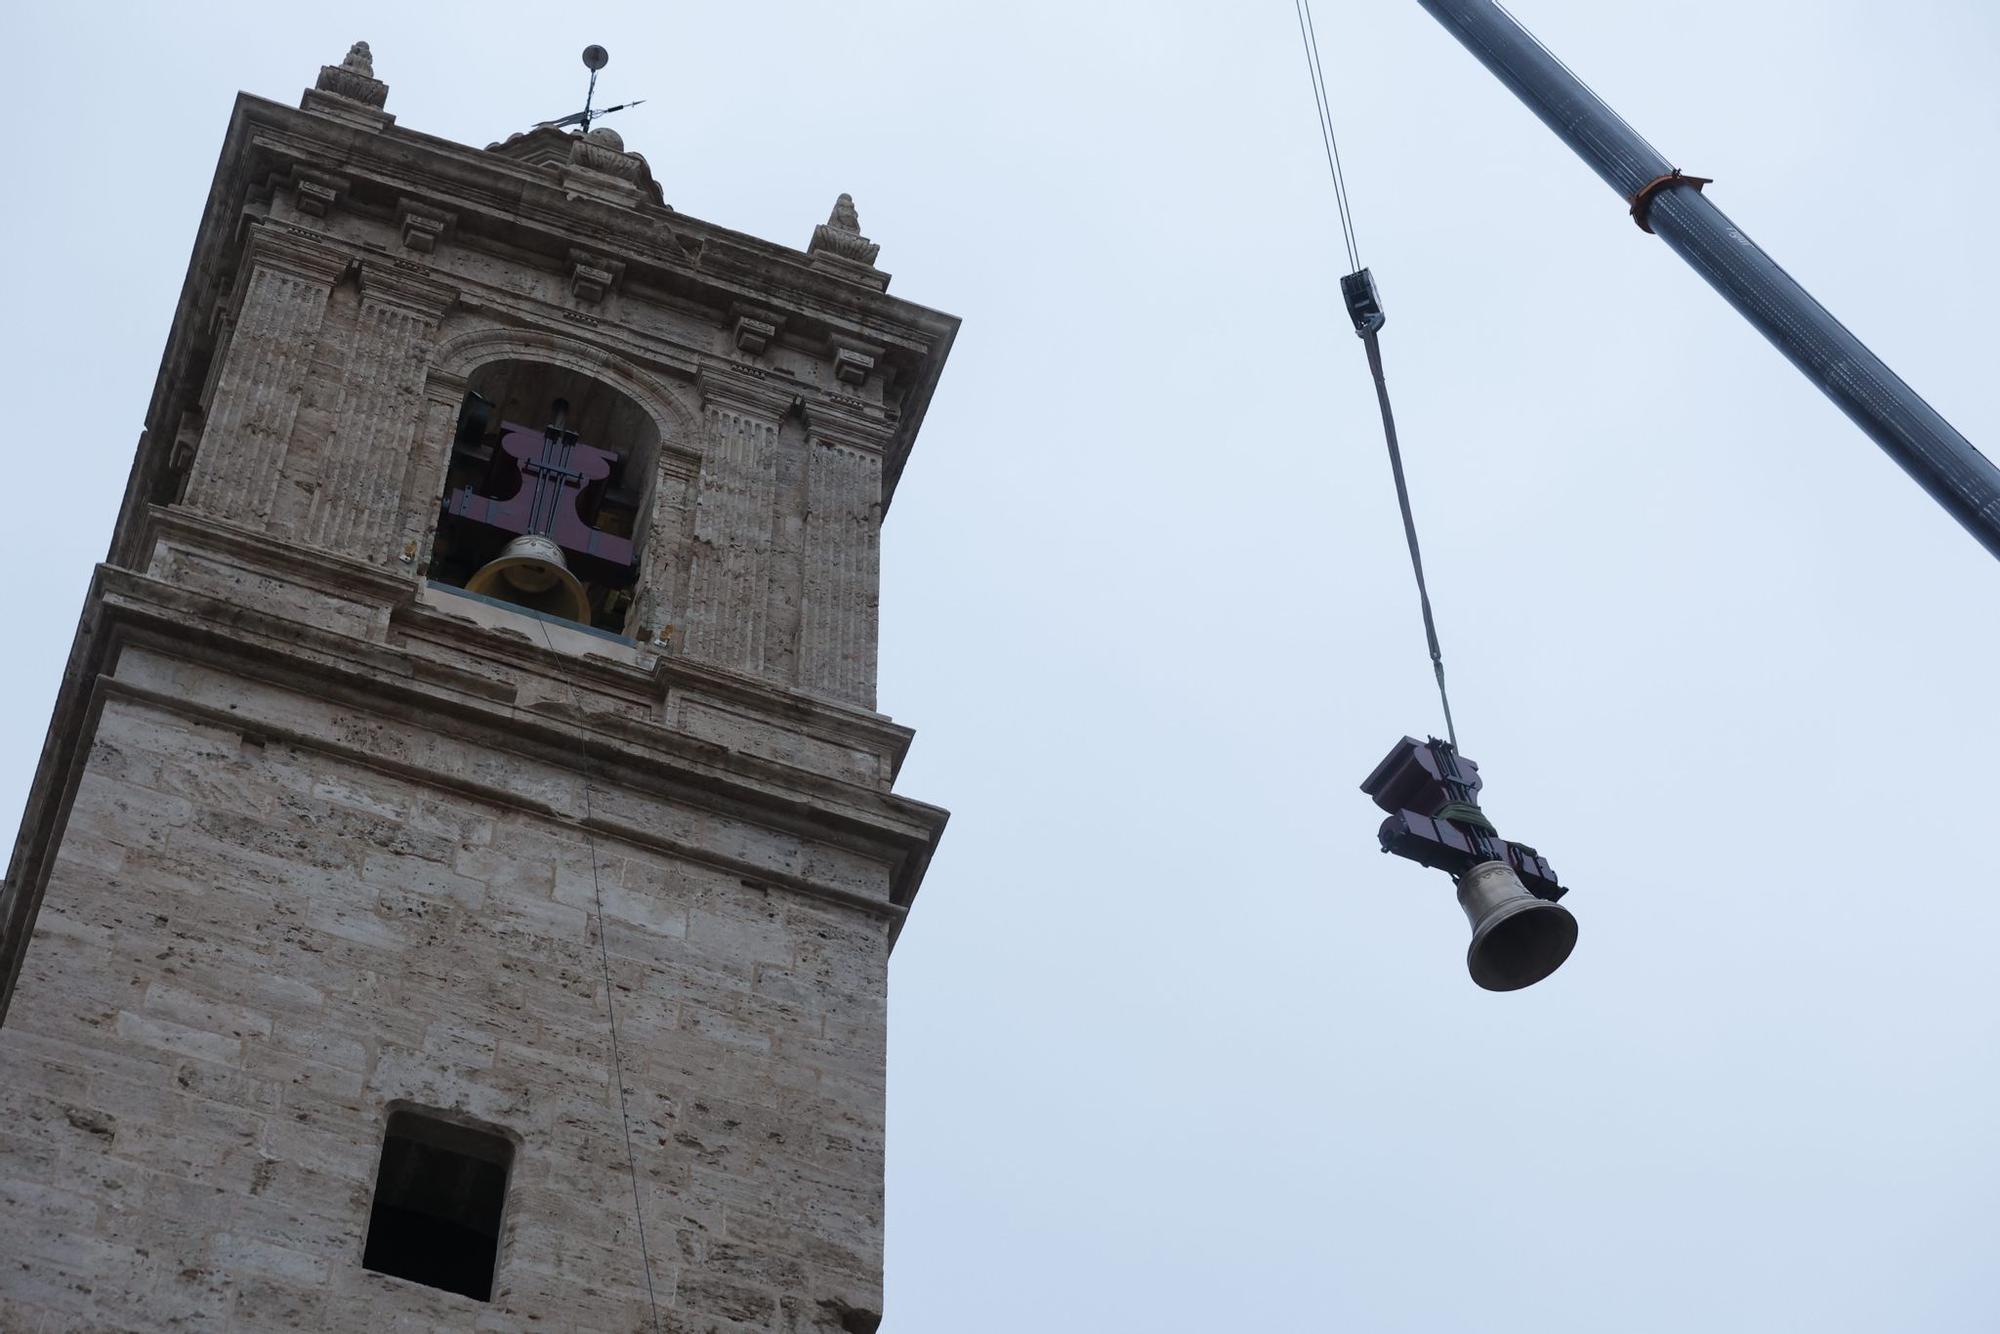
1431, 793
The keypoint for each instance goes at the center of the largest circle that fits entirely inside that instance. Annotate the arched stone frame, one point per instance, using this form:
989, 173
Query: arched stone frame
668, 496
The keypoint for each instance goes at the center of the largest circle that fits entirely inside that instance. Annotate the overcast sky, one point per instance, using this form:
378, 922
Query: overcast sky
1173, 1047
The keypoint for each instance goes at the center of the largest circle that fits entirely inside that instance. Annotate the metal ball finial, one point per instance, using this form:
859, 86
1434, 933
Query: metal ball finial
595, 58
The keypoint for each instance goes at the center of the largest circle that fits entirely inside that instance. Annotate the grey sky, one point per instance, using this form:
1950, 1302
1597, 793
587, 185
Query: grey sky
1173, 1048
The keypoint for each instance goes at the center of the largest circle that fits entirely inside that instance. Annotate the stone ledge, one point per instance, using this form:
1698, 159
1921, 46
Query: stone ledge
653, 764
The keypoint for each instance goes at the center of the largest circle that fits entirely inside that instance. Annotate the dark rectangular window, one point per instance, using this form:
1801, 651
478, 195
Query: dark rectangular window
438, 1197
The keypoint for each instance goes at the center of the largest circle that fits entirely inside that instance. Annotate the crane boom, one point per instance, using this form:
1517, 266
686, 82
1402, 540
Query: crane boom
1664, 202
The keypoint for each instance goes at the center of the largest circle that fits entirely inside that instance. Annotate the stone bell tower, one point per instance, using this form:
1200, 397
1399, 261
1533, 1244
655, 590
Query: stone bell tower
458, 888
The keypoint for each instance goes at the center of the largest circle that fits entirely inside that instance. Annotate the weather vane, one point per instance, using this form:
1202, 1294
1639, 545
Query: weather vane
595, 58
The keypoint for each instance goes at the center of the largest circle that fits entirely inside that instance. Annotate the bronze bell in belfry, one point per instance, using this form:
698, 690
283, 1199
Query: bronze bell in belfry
530, 572
1517, 938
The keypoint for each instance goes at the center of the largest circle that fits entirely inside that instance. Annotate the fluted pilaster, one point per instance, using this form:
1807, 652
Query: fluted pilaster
358, 490
729, 568
265, 367
839, 618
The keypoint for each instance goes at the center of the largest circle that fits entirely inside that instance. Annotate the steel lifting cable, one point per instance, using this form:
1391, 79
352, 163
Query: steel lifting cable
1409, 525
1309, 35
1358, 289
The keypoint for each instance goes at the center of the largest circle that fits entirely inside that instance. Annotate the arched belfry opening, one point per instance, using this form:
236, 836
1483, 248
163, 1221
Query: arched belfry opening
546, 493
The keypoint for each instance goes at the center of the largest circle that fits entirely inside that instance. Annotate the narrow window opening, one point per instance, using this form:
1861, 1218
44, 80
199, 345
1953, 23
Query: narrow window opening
438, 1198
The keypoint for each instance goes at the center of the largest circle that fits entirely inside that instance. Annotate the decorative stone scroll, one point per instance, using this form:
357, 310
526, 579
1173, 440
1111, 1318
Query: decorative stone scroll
838, 245
841, 235
604, 150
590, 166
350, 92
354, 78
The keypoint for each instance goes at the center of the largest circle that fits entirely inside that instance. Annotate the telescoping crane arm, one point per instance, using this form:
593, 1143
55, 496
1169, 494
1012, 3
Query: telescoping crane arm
1672, 206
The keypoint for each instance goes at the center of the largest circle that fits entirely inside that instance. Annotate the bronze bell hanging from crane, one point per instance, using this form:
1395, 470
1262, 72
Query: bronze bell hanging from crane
1520, 934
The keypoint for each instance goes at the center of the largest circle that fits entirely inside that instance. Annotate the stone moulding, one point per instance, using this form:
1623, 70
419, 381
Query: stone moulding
420, 293
675, 415
298, 250
748, 388
398, 613
643, 759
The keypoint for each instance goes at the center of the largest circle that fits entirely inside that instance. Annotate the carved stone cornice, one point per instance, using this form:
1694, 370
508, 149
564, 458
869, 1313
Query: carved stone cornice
409, 286
824, 428
747, 389
275, 667
291, 248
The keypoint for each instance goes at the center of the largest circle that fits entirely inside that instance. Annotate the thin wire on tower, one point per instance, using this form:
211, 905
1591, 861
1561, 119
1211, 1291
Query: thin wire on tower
1365, 307
610, 990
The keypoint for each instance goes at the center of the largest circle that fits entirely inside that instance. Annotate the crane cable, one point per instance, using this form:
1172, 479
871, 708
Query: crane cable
1309, 36
1358, 288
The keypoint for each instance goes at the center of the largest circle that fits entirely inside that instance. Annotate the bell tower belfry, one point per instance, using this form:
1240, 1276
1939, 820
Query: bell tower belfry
458, 887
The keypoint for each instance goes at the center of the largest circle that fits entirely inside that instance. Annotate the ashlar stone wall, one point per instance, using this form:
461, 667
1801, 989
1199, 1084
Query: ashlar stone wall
250, 950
